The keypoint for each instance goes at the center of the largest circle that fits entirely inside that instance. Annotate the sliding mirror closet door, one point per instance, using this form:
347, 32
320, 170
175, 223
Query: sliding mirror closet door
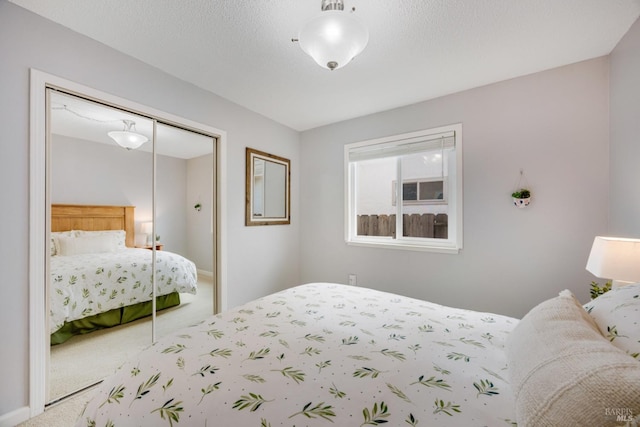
184, 232
100, 194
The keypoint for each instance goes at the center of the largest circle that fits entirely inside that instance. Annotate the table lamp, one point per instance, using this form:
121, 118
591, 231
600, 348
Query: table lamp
615, 258
147, 228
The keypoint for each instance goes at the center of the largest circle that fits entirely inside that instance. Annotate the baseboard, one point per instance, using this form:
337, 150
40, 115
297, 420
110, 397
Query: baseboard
205, 273
14, 418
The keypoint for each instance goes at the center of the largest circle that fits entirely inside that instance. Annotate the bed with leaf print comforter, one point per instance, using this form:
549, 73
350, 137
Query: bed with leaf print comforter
89, 284
314, 355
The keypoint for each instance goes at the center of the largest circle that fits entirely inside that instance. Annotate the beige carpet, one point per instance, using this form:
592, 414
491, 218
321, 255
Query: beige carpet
64, 414
83, 360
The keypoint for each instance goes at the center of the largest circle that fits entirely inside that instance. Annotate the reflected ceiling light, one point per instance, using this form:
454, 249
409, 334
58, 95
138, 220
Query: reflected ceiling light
128, 138
334, 37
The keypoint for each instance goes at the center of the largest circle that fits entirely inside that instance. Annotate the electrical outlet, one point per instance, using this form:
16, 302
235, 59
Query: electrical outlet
353, 280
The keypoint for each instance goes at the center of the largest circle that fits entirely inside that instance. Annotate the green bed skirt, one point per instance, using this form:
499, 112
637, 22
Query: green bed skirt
115, 317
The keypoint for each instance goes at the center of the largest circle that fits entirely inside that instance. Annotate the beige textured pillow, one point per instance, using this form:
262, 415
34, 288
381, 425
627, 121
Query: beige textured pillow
563, 372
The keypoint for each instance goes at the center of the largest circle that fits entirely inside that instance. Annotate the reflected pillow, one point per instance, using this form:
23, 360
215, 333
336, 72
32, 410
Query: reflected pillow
70, 245
54, 246
617, 314
119, 237
563, 372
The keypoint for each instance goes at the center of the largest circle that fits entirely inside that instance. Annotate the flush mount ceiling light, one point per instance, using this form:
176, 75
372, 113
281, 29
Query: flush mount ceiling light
128, 138
334, 37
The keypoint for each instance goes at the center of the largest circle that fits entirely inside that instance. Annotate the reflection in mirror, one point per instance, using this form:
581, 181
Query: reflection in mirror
184, 178
89, 169
267, 189
97, 180
269, 193
258, 188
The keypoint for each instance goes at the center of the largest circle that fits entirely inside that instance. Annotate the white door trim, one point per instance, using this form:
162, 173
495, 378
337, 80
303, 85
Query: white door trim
39, 212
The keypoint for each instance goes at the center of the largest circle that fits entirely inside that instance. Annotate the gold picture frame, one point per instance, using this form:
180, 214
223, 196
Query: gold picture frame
268, 189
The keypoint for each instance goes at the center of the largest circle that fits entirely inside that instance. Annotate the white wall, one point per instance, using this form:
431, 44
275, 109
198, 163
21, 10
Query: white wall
109, 174
171, 203
200, 223
553, 125
260, 259
625, 136
84, 172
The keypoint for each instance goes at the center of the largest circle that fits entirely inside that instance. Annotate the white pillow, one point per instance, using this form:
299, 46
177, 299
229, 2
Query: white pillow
617, 314
563, 372
54, 244
119, 237
79, 245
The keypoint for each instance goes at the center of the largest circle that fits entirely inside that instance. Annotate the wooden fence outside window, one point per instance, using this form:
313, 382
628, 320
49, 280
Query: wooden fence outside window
414, 225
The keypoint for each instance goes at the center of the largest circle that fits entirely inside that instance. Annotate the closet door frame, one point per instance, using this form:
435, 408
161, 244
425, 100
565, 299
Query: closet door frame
39, 213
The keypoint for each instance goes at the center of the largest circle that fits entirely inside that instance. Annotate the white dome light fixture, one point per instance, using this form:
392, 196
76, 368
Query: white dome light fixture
334, 37
128, 138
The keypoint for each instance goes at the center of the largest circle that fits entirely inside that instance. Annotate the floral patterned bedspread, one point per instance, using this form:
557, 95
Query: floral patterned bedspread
88, 284
314, 355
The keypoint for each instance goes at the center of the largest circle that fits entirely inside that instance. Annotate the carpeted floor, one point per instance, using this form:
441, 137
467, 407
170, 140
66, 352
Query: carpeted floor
64, 414
82, 360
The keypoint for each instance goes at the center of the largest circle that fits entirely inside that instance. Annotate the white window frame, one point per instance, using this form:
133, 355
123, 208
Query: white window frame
451, 245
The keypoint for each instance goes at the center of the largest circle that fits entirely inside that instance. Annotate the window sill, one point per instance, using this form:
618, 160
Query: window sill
405, 245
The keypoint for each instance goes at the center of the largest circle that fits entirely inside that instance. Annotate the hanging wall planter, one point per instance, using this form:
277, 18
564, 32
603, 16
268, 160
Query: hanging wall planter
521, 198
522, 195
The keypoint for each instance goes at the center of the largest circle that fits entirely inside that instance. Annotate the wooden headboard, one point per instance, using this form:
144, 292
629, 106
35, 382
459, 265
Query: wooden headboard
94, 218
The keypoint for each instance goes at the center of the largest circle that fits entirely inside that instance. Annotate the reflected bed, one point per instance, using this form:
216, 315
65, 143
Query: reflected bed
98, 279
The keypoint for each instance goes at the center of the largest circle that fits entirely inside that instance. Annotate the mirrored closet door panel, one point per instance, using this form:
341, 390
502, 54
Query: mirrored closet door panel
184, 230
100, 277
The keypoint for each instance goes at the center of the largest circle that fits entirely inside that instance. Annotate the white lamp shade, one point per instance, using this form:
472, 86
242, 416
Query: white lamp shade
333, 38
147, 227
615, 258
127, 139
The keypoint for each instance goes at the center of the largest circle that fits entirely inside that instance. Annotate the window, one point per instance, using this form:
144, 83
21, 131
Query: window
424, 170
422, 191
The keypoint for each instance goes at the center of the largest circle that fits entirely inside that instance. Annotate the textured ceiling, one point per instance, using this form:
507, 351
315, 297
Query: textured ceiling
418, 49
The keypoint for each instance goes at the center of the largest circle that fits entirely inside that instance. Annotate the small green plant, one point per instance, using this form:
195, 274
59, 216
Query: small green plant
197, 207
523, 193
596, 290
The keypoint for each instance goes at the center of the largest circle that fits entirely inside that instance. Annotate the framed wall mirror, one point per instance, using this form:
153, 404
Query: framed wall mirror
268, 193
